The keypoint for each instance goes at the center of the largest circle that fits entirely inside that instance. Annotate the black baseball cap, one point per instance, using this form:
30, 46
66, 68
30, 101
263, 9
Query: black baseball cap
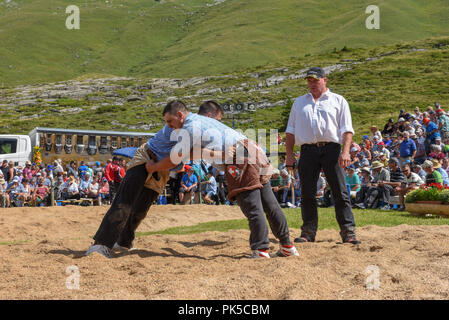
315, 72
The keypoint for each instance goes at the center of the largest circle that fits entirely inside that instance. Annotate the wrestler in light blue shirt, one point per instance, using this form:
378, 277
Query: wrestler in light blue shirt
209, 133
161, 145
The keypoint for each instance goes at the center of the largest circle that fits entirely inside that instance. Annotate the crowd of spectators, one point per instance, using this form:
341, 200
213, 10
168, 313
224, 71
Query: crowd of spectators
408, 153
39, 185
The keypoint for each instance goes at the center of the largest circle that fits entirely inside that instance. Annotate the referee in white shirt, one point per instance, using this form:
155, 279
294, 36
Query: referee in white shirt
320, 123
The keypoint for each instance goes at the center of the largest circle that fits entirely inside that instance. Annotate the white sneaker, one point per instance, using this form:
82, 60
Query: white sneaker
100, 249
386, 207
287, 251
260, 254
119, 248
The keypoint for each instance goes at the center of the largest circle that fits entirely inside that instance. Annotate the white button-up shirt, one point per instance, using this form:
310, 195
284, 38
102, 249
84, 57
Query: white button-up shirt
324, 120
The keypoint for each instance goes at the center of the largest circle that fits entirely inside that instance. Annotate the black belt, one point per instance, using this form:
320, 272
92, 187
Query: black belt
318, 144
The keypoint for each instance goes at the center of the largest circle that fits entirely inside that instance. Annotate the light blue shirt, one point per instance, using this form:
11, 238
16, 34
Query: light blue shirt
445, 176
205, 132
161, 145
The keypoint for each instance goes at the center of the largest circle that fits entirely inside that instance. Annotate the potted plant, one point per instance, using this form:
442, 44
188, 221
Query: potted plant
429, 199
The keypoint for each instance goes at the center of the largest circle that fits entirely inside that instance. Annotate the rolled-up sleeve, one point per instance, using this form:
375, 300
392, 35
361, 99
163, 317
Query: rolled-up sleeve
345, 120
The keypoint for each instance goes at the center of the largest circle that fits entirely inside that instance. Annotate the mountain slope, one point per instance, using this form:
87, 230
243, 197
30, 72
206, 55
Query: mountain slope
185, 38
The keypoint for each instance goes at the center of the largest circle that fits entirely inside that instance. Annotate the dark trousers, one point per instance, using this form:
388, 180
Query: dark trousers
376, 194
254, 204
129, 207
221, 180
313, 159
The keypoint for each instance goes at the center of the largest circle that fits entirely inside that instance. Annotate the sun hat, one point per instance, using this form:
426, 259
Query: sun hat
276, 171
2, 181
436, 163
377, 164
425, 120
15, 179
401, 119
353, 149
365, 137
366, 170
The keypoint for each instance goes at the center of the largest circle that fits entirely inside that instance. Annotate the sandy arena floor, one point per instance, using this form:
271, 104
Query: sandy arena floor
411, 262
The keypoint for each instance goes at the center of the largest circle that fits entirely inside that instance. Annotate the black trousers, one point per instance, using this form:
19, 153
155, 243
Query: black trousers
254, 204
313, 159
129, 207
221, 180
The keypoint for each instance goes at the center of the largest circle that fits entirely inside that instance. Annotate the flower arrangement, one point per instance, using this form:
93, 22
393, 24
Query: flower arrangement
37, 155
431, 192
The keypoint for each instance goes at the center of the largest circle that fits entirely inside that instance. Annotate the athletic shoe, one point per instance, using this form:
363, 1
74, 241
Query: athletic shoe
360, 205
287, 251
386, 207
303, 239
352, 239
100, 249
119, 248
260, 254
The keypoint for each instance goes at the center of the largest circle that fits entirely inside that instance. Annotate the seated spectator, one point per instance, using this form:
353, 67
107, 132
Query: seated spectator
375, 133
27, 172
364, 152
412, 182
389, 188
40, 193
420, 155
445, 164
365, 183
11, 172
419, 171
210, 192
286, 184
103, 191
321, 185
382, 149
189, 183
70, 189
83, 186
367, 142
282, 162
25, 191
93, 190
444, 175
276, 181
13, 192
4, 197
432, 175
353, 180
380, 174
389, 128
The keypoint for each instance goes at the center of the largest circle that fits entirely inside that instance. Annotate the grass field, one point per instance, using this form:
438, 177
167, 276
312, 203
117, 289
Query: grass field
184, 38
326, 218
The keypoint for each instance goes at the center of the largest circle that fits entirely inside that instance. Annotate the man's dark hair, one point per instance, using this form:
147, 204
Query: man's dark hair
174, 106
211, 107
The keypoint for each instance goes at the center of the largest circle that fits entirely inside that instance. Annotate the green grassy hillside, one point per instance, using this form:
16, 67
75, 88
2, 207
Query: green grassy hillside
185, 38
377, 83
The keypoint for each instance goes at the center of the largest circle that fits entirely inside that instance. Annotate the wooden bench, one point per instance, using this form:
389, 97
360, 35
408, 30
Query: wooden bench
78, 202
